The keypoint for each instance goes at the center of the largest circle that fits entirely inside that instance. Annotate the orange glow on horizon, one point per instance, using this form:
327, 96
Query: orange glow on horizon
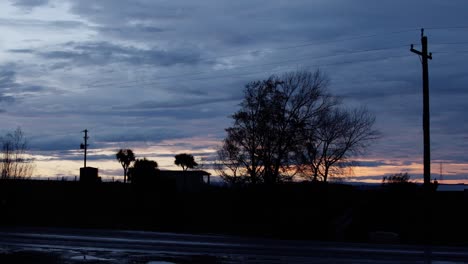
164, 151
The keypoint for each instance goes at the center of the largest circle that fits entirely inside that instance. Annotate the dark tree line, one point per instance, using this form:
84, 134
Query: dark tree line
290, 125
144, 171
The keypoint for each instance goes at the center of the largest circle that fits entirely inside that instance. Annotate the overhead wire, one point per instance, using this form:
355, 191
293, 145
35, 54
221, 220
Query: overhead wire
158, 79
263, 71
448, 27
254, 65
305, 44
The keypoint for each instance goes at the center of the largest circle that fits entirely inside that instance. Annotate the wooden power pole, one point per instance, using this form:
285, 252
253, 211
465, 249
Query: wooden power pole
427, 147
85, 145
426, 120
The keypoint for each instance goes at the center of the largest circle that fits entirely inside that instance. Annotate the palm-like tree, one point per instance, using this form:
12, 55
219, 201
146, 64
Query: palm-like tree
186, 161
125, 157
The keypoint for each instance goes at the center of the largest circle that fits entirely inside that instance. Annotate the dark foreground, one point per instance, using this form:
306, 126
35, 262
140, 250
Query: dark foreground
52, 245
294, 211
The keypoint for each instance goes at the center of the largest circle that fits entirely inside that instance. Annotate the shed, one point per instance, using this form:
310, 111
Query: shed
188, 181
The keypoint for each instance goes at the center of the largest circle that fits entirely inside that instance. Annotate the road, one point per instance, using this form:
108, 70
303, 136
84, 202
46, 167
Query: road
109, 246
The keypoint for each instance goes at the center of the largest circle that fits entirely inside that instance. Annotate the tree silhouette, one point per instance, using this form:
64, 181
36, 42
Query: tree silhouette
291, 125
398, 178
186, 161
125, 157
267, 127
14, 162
333, 139
144, 171
401, 183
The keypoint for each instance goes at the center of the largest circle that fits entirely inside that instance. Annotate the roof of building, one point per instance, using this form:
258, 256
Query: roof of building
172, 173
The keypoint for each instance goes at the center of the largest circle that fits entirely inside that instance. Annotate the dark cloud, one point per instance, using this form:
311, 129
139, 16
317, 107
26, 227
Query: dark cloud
11, 90
6, 99
183, 104
43, 24
105, 11
33, 88
7, 78
30, 3
89, 156
53, 143
104, 53
141, 32
134, 135
21, 50
7, 85
372, 163
61, 144
168, 69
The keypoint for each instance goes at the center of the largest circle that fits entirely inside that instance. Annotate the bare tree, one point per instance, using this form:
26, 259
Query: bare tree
266, 128
338, 135
289, 124
229, 163
15, 162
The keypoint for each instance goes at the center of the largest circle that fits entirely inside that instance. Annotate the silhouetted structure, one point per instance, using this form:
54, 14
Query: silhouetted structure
188, 181
89, 175
85, 145
426, 119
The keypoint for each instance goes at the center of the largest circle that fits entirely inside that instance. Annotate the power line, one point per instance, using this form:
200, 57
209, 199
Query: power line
305, 44
345, 39
449, 52
451, 43
441, 28
255, 65
250, 73
263, 71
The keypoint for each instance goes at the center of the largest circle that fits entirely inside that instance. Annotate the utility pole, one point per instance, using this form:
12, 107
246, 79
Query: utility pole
426, 121
85, 145
427, 147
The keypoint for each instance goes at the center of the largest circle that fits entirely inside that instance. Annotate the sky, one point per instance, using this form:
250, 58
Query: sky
162, 77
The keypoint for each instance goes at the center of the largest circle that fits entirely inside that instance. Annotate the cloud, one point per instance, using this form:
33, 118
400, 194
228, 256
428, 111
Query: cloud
7, 85
183, 104
131, 31
53, 143
105, 53
12, 91
21, 51
28, 4
101, 137
41, 23
158, 70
